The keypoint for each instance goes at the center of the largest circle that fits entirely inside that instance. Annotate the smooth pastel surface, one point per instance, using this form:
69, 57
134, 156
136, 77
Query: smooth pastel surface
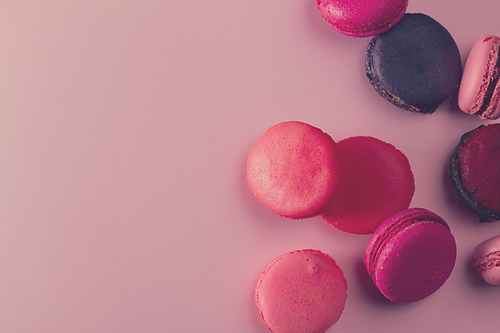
474, 171
416, 65
480, 68
376, 182
293, 169
125, 128
487, 260
362, 18
302, 291
411, 255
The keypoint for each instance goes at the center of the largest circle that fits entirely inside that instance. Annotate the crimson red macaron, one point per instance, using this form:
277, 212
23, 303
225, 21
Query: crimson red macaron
376, 182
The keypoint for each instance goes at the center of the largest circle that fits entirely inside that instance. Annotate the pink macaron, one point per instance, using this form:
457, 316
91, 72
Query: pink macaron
411, 255
479, 91
293, 169
487, 260
376, 183
362, 18
301, 291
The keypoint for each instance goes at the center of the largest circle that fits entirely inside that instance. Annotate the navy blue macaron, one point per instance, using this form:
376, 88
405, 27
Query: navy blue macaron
415, 65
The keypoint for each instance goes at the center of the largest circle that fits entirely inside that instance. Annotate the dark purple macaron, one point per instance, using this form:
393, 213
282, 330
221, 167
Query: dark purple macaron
415, 65
475, 172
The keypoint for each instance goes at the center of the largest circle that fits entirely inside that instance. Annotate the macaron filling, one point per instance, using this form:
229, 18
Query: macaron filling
487, 262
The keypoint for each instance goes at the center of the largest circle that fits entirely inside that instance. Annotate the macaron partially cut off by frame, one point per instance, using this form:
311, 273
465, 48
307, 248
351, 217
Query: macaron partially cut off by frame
302, 291
474, 171
479, 91
293, 169
411, 255
376, 183
415, 65
487, 260
362, 18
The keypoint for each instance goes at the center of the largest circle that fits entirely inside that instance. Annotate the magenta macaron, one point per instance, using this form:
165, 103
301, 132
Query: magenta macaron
479, 91
301, 291
362, 18
487, 260
411, 255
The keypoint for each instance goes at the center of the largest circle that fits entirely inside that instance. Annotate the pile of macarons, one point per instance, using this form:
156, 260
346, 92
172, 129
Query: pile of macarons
363, 185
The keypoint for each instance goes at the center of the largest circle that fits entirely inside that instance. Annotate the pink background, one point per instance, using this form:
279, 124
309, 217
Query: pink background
124, 130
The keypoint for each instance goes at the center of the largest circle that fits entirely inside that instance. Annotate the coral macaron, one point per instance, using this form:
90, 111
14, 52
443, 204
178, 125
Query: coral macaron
487, 260
302, 291
293, 169
411, 255
376, 183
362, 18
479, 91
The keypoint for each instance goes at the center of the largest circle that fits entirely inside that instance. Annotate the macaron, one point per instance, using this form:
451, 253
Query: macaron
487, 260
293, 169
415, 65
301, 291
474, 170
376, 183
362, 18
411, 255
479, 91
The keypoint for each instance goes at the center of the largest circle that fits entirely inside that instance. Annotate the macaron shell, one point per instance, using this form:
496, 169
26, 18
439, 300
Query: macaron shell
416, 65
376, 183
476, 78
301, 291
293, 169
474, 171
411, 255
362, 18
487, 260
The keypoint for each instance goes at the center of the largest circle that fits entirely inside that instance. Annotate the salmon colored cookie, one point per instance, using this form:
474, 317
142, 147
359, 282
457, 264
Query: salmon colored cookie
301, 291
293, 169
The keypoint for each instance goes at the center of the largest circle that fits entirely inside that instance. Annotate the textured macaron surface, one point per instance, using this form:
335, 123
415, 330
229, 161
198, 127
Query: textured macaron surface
475, 171
362, 18
479, 91
416, 65
293, 169
411, 255
376, 183
302, 291
487, 260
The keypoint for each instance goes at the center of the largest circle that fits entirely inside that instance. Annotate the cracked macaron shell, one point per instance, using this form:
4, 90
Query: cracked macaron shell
474, 170
411, 255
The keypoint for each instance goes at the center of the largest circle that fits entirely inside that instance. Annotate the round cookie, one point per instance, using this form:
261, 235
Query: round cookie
362, 18
411, 255
415, 65
301, 291
293, 169
474, 172
479, 91
487, 260
376, 183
